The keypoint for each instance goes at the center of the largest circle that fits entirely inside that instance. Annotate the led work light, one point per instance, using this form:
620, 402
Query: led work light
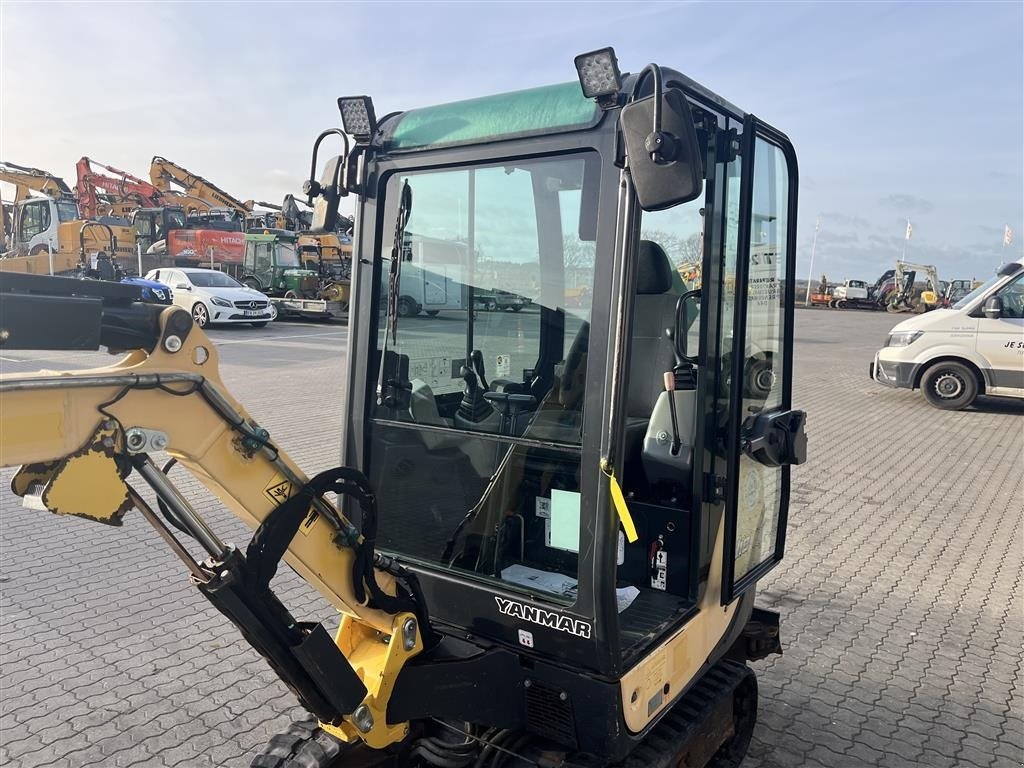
599, 75
357, 117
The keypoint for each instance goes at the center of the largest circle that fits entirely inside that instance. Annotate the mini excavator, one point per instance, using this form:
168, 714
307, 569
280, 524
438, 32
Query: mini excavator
549, 524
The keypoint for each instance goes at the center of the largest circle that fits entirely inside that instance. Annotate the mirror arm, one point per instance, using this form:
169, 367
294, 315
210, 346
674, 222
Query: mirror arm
313, 188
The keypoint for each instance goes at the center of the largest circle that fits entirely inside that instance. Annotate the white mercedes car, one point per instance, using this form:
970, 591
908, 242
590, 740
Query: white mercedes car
213, 297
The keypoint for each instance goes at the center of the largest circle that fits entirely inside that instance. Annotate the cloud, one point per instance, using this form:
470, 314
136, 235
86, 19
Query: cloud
827, 236
907, 203
834, 217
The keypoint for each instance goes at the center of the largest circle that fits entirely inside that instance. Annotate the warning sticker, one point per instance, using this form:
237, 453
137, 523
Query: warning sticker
502, 366
309, 522
278, 490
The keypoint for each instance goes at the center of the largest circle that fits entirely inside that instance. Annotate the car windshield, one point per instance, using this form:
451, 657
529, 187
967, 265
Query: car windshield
287, 256
212, 280
983, 288
67, 210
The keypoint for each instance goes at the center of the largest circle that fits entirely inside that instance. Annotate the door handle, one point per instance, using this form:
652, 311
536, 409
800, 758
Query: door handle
775, 438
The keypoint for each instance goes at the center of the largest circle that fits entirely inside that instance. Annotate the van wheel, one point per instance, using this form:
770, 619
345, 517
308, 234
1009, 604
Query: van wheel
407, 307
759, 378
950, 385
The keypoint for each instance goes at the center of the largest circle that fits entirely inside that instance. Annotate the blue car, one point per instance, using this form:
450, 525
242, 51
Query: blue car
152, 291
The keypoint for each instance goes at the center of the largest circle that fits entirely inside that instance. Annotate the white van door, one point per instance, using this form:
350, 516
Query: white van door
1001, 341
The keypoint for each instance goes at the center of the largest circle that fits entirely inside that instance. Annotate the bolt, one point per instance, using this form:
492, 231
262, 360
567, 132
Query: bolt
409, 634
172, 343
109, 424
136, 439
159, 442
362, 718
108, 442
563, 696
527, 683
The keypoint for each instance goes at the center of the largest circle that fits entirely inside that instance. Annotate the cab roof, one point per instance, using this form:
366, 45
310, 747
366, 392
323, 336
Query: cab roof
545, 110
548, 109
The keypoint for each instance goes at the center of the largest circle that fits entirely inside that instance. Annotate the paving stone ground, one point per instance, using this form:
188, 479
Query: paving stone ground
900, 592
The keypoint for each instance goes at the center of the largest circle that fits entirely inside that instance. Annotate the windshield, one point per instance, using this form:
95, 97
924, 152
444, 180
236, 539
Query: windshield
175, 220
212, 280
287, 256
477, 414
67, 210
981, 289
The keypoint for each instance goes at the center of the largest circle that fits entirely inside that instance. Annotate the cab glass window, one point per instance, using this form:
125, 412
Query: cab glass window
1012, 297
477, 409
35, 218
759, 495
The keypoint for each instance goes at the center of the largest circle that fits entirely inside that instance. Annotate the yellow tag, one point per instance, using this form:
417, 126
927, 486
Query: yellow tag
620, 506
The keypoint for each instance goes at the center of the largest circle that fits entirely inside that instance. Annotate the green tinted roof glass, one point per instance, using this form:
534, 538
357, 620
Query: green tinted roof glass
549, 109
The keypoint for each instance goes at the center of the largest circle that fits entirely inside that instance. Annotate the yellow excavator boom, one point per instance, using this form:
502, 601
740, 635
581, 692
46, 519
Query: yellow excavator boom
77, 437
168, 176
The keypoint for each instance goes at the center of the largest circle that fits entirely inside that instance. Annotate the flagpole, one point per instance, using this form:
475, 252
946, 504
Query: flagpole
810, 269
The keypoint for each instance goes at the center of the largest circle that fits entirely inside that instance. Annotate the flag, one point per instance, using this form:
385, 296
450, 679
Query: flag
910, 229
1008, 236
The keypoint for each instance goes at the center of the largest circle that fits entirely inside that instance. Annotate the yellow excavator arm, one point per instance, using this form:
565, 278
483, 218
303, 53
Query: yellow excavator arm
80, 437
27, 180
168, 176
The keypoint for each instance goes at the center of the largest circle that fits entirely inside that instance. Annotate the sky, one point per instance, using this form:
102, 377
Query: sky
897, 111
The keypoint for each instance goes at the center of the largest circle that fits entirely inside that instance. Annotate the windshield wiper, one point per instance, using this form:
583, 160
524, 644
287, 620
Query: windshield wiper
384, 395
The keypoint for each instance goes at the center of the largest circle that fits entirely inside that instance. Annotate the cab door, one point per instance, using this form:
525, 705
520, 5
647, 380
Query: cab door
1000, 340
765, 435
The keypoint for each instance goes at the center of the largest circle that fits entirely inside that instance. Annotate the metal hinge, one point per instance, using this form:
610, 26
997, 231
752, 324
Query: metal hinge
714, 488
728, 148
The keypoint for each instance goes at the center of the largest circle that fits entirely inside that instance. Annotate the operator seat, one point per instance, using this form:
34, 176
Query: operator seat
652, 351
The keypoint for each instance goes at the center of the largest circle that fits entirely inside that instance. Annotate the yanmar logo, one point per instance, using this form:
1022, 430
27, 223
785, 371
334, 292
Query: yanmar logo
543, 617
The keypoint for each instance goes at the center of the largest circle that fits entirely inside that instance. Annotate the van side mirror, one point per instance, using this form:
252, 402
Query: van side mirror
662, 150
993, 308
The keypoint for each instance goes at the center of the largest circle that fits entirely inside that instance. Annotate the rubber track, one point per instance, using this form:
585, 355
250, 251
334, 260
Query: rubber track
659, 749
303, 745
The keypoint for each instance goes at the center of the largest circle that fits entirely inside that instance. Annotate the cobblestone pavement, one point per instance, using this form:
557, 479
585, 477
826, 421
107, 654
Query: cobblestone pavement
900, 592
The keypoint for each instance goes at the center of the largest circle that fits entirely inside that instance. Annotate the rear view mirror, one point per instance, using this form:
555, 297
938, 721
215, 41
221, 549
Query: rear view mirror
993, 308
327, 194
664, 160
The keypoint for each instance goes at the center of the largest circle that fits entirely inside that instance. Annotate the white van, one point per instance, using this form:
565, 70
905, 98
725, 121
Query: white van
974, 348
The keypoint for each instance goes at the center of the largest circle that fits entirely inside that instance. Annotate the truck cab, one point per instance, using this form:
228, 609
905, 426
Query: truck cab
953, 355
37, 220
851, 289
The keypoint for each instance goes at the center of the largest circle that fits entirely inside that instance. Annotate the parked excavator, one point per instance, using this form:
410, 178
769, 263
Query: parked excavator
170, 227
119, 193
579, 590
902, 299
48, 234
168, 176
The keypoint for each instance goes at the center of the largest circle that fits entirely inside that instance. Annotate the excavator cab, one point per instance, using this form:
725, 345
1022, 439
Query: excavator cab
594, 483
550, 522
